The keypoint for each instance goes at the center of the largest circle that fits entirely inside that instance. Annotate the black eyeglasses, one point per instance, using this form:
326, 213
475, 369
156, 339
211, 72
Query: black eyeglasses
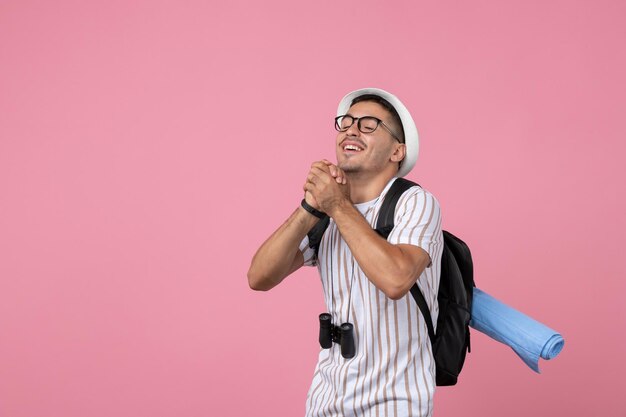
366, 124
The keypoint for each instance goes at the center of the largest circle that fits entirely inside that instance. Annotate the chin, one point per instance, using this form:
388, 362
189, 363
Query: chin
346, 167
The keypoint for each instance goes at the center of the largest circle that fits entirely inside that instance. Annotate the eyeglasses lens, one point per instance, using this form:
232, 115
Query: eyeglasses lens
368, 124
344, 123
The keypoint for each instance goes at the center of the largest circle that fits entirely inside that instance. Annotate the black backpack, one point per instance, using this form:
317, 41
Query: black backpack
452, 341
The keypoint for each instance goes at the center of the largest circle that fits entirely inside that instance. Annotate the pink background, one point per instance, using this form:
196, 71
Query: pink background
148, 148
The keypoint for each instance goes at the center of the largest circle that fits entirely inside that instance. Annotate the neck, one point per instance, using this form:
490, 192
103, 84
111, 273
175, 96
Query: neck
364, 188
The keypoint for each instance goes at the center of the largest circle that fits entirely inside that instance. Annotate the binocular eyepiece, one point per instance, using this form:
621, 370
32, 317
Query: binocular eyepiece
343, 335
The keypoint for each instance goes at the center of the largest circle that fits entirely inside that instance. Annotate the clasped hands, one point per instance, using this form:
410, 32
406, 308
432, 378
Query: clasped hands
326, 187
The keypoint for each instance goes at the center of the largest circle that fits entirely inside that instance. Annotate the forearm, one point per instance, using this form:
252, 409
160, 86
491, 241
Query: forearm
389, 267
279, 255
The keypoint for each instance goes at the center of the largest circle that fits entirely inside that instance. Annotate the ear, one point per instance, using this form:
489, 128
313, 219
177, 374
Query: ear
399, 153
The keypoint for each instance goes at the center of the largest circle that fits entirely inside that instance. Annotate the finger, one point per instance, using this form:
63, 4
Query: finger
335, 171
320, 173
310, 188
310, 199
341, 176
318, 178
321, 165
333, 168
314, 172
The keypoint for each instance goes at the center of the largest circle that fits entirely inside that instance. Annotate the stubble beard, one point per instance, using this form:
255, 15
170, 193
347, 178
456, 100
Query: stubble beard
348, 168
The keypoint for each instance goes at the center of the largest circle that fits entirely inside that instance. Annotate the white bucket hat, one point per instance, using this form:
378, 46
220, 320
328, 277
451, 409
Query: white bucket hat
411, 138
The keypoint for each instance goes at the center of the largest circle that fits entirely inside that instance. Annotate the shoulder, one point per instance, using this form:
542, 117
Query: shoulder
417, 219
417, 196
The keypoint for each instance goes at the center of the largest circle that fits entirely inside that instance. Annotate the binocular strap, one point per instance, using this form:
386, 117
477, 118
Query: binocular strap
332, 279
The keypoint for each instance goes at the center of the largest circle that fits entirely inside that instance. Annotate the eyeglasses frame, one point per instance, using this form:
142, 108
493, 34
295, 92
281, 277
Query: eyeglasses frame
358, 125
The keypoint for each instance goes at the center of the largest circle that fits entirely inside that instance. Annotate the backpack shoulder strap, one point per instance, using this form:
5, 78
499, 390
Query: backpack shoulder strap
316, 233
385, 225
421, 303
385, 222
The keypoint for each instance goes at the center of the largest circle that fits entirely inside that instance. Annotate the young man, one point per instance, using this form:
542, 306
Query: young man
366, 279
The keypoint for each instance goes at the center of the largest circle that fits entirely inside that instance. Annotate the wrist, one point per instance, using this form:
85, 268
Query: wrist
312, 210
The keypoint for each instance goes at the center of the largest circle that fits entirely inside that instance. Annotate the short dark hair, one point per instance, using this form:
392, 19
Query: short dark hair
394, 114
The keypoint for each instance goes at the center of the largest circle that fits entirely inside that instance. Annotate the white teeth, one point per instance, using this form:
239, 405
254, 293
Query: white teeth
351, 148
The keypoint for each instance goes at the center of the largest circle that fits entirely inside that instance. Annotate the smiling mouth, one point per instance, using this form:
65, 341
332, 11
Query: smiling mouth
354, 148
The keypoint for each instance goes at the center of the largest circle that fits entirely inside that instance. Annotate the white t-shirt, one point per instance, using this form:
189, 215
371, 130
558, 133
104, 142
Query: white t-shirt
393, 371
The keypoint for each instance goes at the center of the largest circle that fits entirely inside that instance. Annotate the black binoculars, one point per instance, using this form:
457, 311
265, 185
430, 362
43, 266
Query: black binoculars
344, 335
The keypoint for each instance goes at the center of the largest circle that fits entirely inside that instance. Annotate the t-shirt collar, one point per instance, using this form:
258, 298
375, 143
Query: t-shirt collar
363, 207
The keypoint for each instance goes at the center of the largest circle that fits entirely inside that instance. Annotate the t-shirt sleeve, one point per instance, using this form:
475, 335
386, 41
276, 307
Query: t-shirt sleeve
308, 253
418, 221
